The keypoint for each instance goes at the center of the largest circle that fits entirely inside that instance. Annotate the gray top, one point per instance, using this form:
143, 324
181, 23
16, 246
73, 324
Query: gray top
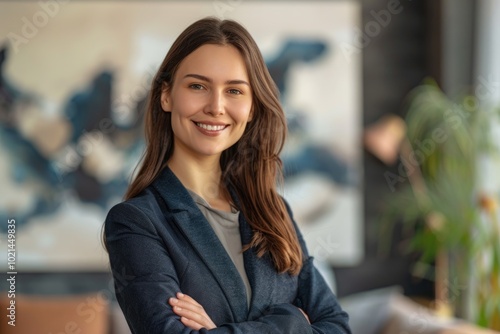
226, 227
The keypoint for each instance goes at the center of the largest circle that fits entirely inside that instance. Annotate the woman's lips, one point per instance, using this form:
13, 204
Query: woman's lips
210, 129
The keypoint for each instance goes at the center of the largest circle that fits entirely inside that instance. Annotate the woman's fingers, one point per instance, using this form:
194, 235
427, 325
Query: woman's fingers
194, 318
191, 324
187, 298
187, 305
191, 312
191, 315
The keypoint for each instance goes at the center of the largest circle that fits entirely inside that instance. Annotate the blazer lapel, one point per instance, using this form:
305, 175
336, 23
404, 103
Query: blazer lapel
203, 239
261, 274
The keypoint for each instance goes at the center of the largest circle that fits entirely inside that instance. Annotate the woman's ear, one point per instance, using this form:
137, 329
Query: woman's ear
166, 102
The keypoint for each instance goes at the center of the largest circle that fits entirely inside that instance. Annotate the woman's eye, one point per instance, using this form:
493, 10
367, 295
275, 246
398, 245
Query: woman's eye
235, 91
196, 86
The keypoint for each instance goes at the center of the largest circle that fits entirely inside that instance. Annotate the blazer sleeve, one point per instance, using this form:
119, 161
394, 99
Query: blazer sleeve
316, 298
144, 278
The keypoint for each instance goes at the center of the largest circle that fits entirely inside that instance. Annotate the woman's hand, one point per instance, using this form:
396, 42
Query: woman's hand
192, 314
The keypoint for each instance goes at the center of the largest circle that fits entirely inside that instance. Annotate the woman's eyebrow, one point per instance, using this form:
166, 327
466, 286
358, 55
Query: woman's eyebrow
204, 78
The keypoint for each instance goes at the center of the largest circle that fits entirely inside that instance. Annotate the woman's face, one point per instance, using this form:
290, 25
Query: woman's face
210, 101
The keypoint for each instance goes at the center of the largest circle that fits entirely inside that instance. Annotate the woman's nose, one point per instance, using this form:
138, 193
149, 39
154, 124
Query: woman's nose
215, 105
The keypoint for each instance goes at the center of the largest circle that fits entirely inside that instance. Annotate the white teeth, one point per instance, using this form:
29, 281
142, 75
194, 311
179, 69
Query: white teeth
211, 127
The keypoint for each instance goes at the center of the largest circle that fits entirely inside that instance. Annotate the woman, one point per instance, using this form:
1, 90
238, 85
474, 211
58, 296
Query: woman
203, 241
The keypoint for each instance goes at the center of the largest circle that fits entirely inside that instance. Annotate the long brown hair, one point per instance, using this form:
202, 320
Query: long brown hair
251, 166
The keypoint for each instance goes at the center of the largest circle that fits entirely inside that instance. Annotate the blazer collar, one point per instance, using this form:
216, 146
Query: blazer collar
203, 239
261, 273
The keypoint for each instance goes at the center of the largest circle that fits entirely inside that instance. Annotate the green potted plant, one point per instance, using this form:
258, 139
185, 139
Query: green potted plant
451, 223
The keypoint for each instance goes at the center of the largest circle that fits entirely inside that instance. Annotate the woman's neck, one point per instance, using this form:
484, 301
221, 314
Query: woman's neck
203, 176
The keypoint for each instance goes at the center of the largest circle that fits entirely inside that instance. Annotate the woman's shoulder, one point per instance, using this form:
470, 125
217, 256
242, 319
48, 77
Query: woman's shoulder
146, 204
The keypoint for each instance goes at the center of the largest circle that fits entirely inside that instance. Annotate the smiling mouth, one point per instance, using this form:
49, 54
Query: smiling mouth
210, 127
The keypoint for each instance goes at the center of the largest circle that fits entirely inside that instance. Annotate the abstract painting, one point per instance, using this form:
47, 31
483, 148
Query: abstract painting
73, 81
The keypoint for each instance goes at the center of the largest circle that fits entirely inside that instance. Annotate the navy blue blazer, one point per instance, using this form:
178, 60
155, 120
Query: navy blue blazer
160, 243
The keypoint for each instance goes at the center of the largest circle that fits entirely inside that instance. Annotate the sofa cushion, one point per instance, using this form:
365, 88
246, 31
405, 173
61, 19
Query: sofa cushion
369, 311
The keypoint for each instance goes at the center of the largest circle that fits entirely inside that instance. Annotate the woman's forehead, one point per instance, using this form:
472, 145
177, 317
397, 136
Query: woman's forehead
216, 62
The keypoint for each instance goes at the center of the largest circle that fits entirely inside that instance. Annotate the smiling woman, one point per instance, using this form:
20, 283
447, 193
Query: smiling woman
204, 239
